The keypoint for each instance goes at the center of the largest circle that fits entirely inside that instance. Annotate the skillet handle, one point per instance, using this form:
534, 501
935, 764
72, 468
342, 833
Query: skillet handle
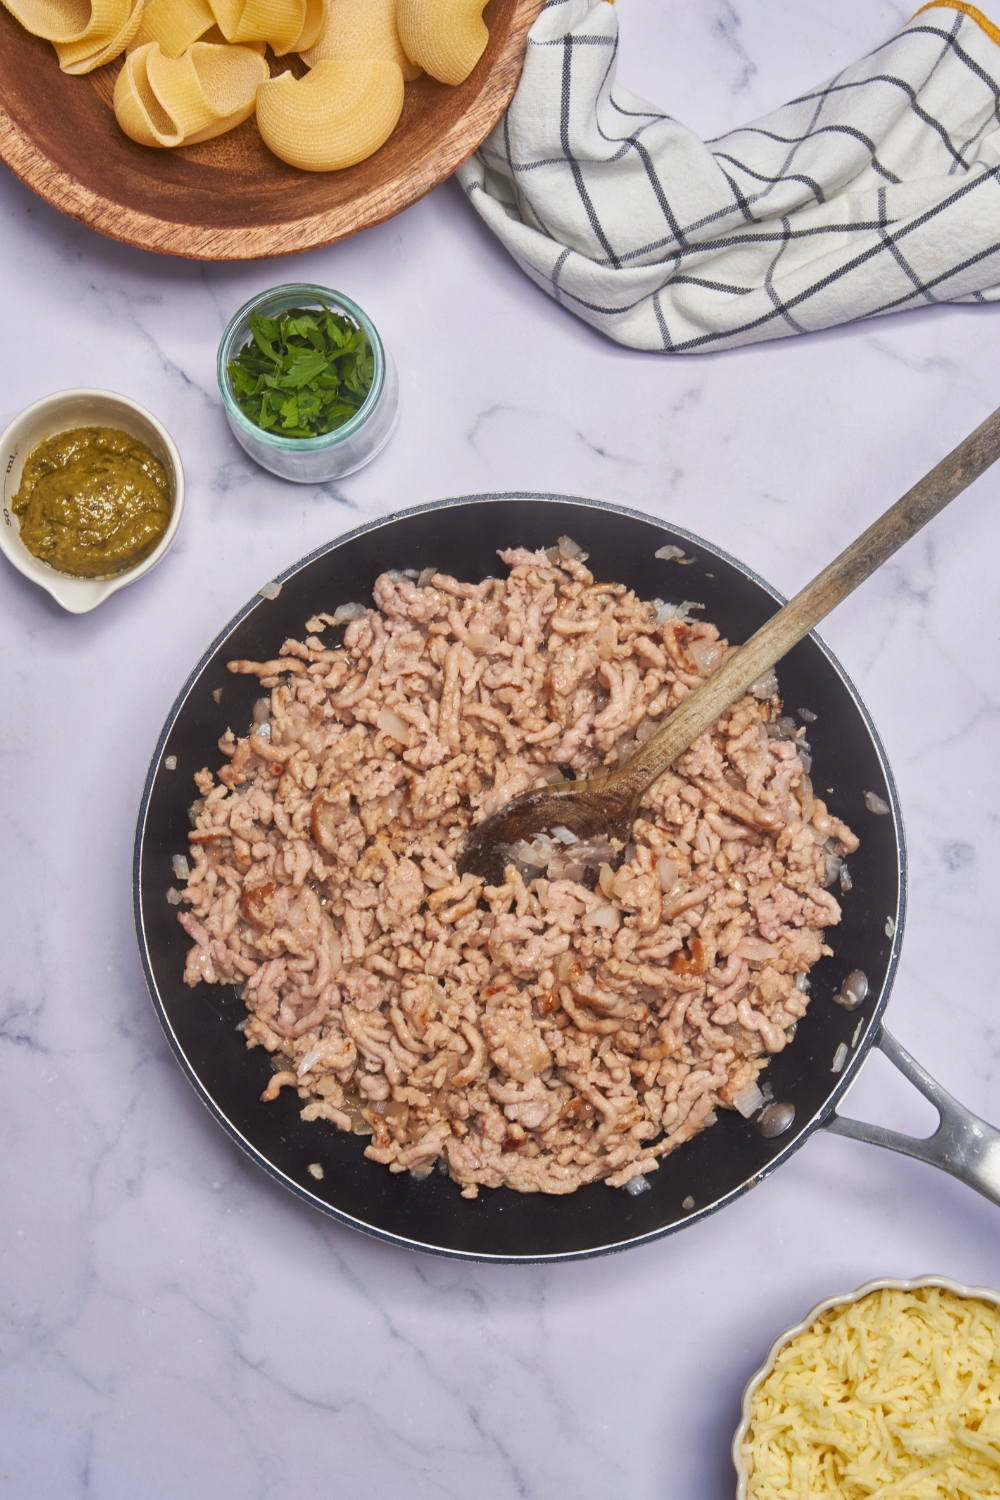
963, 1144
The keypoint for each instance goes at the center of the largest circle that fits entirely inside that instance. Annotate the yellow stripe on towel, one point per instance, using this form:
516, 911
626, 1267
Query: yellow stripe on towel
993, 32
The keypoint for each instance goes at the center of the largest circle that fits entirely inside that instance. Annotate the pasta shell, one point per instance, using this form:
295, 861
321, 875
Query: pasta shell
137, 109
337, 115
69, 21
446, 37
74, 59
71, 60
361, 29
279, 22
85, 33
215, 35
166, 101
313, 25
175, 24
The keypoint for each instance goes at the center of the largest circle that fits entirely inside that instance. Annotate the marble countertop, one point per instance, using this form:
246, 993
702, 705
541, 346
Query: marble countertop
175, 1325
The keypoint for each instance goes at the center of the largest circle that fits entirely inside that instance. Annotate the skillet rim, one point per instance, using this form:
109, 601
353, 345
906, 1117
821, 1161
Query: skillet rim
843, 1081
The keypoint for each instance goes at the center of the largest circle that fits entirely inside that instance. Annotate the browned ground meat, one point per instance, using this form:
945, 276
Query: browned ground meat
538, 1034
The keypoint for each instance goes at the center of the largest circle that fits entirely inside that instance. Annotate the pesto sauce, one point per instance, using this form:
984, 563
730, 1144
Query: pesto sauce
93, 501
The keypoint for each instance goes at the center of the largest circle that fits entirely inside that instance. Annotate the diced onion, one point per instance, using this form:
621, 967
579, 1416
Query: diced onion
766, 686
560, 853
839, 1058
707, 654
668, 872
875, 804
174, 897
601, 916
391, 723
682, 612
637, 1185
535, 854
749, 1100
181, 867
569, 548
345, 612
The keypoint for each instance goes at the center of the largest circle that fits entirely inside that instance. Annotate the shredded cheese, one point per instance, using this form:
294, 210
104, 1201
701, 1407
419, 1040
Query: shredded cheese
893, 1397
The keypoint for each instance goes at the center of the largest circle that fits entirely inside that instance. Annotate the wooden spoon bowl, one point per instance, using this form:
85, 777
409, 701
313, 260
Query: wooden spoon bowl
231, 199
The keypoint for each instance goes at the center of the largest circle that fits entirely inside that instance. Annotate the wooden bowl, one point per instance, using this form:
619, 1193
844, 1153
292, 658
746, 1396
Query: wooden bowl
231, 199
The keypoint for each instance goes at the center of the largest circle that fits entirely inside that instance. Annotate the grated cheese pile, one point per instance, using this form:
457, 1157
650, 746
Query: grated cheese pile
894, 1397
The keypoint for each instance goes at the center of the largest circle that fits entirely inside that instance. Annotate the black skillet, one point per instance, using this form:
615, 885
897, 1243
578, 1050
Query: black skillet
461, 537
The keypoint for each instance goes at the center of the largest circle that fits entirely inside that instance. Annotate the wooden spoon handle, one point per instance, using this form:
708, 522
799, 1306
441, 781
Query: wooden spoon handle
777, 637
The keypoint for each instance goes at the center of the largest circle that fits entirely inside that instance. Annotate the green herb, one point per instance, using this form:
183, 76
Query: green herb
303, 374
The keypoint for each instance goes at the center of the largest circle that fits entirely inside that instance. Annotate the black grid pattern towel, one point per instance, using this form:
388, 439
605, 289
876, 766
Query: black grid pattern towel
878, 191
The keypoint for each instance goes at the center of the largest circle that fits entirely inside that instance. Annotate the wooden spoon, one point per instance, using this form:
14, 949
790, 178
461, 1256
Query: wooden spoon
603, 807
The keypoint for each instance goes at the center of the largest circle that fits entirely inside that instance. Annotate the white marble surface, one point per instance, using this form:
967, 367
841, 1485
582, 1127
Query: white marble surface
175, 1326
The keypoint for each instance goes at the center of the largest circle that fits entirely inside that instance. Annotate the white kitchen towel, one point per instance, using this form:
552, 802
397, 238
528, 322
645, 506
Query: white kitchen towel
877, 191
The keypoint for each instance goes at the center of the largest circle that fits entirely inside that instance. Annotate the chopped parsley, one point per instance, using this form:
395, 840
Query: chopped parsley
303, 374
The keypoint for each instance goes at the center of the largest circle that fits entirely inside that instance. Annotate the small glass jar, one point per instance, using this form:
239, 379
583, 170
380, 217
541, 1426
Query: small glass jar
334, 454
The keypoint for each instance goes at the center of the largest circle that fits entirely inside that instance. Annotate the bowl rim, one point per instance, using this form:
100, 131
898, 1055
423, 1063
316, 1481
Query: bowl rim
325, 440
840, 1299
65, 588
118, 220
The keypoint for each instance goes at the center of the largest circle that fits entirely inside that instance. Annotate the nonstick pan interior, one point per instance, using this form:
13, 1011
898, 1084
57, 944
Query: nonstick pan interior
462, 537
